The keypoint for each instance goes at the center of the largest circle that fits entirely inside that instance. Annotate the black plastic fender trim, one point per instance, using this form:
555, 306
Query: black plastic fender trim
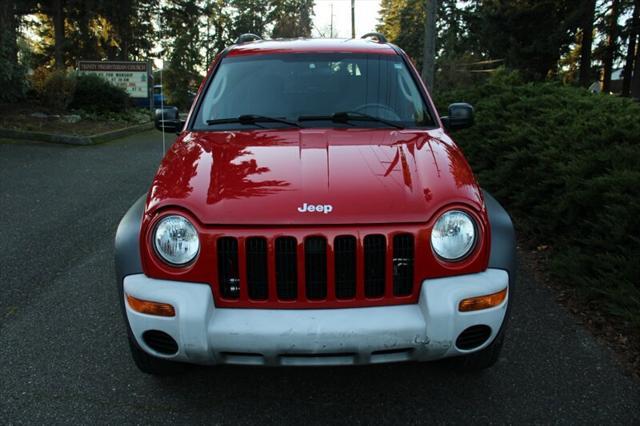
503, 239
127, 244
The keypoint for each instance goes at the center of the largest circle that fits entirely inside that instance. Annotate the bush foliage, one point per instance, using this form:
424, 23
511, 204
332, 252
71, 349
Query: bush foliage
94, 94
566, 165
57, 90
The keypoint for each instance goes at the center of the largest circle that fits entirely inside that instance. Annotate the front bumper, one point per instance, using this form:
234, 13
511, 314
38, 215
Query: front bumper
421, 332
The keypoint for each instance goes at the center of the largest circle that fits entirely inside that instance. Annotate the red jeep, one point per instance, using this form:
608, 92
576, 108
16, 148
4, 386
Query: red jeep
314, 211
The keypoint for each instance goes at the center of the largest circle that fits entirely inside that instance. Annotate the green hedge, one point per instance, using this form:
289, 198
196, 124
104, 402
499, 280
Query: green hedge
94, 94
566, 165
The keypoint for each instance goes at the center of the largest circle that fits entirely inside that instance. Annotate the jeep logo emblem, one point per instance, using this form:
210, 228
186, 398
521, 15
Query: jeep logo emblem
311, 208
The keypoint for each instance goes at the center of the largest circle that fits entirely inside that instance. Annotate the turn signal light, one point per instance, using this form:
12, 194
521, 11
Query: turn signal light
482, 302
151, 308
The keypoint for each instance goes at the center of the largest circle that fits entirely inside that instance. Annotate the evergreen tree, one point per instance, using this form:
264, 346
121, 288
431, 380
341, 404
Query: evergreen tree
291, 18
402, 22
250, 16
530, 35
182, 42
632, 30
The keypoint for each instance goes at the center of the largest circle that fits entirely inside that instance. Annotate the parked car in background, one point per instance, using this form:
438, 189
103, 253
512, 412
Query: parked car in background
158, 96
314, 210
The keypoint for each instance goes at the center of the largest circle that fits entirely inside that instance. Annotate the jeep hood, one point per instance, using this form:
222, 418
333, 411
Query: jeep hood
266, 177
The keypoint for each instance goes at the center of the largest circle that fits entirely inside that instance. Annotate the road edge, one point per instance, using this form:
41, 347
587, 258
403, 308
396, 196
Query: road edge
74, 139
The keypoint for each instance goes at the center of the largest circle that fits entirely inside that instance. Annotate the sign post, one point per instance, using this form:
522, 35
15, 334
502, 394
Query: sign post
133, 77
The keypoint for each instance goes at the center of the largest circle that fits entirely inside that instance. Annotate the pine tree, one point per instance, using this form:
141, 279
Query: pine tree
291, 18
249, 16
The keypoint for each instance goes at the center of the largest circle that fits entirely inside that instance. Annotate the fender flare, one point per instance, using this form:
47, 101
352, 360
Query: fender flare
503, 239
127, 244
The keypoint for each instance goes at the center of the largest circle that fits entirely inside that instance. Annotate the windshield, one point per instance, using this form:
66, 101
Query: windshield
314, 87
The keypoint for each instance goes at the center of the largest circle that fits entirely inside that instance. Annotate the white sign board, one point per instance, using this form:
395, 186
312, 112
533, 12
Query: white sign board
131, 76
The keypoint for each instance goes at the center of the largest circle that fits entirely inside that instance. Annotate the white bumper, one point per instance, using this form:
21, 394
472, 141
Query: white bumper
209, 335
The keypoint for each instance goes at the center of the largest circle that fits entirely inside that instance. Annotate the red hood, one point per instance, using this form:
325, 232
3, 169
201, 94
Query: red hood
263, 177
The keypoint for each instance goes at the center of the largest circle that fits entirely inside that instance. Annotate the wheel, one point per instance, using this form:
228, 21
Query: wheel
150, 364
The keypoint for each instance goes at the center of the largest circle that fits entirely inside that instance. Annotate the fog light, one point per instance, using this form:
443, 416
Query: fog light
151, 308
482, 302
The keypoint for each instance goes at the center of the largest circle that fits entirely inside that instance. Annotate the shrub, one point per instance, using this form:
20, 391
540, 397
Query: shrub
565, 163
94, 94
58, 90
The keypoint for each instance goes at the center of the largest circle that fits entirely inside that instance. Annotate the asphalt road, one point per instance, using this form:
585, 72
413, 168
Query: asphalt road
64, 357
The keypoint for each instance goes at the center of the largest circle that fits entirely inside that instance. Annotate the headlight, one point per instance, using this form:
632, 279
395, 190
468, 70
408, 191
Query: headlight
176, 240
453, 235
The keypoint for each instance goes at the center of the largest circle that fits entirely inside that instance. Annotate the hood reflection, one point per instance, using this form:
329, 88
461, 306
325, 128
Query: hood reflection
230, 179
262, 178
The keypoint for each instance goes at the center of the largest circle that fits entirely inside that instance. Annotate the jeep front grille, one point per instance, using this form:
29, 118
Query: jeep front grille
287, 268
344, 248
375, 253
257, 279
228, 273
315, 270
402, 264
315, 267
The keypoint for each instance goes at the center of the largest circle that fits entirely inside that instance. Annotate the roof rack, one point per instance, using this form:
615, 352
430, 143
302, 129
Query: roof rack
380, 38
245, 38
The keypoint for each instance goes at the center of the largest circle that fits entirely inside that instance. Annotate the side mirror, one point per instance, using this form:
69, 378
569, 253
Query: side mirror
168, 119
460, 116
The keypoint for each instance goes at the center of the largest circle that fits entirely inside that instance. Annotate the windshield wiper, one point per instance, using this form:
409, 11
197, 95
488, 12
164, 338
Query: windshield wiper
346, 116
253, 119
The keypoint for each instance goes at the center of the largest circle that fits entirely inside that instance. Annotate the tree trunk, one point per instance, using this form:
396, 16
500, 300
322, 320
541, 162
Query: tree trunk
124, 28
8, 31
635, 82
611, 46
587, 42
631, 50
58, 28
429, 52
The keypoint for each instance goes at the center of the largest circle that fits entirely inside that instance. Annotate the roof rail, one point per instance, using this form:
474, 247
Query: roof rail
376, 37
245, 38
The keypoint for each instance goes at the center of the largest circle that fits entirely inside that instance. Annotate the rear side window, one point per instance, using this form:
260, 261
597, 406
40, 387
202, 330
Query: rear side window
289, 86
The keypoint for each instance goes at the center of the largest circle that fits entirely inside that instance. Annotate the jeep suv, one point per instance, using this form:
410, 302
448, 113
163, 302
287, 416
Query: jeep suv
314, 211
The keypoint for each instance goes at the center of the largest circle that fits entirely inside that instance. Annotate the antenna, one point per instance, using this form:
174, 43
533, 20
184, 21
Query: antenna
162, 108
331, 31
161, 84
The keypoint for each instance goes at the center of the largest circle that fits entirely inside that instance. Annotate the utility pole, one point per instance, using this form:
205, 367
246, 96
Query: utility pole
331, 25
429, 52
208, 56
353, 18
